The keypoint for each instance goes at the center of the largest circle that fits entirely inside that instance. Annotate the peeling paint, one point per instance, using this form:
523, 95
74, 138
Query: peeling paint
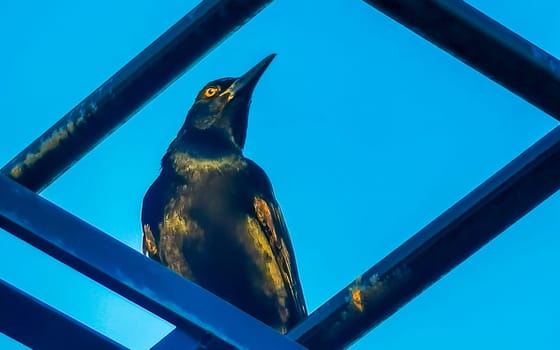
16, 171
47, 145
367, 290
50, 143
356, 294
93, 107
357, 299
374, 278
79, 121
70, 127
361, 289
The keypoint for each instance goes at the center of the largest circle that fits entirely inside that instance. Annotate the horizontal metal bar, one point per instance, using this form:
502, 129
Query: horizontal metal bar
485, 45
436, 249
205, 317
39, 326
128, 90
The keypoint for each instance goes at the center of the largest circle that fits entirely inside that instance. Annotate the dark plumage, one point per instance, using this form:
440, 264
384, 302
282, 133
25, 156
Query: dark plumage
211, 215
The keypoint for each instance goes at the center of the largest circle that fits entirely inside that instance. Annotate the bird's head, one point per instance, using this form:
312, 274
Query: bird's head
221, 108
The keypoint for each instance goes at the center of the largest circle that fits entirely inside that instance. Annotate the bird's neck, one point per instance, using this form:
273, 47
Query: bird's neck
194, 152
204, 144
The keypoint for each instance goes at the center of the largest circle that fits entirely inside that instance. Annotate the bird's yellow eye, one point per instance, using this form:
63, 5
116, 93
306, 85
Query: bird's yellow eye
211, 91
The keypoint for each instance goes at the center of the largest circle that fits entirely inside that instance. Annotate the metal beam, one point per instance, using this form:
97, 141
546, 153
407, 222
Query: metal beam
39, 326
206, 318
485, 45
176, 339
128, 90
436, 249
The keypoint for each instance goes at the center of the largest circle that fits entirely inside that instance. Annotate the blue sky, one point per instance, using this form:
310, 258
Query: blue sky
367, 131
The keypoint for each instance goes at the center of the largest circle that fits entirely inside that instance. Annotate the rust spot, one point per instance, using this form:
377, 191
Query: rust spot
356, 290
148, 242
369, 290
70, 127
357, 299
16, 172
49, 144
81, 120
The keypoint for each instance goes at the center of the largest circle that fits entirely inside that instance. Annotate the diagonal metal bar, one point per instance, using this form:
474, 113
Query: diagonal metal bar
485, 45
203, 316
128, 90
436, 249
39, 326
176, 339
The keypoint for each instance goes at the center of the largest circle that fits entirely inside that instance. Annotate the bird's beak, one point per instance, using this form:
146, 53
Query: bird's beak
247, 82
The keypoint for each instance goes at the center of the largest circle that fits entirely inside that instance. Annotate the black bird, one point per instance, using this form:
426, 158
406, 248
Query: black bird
211, 215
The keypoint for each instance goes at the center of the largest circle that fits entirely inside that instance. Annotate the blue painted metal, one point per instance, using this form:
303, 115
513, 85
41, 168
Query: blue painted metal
39, 326
176, 339
128, 90
205, 317
484, 44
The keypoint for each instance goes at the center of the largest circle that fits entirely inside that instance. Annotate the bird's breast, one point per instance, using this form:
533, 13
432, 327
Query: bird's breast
211, 234
214, 194
201, 168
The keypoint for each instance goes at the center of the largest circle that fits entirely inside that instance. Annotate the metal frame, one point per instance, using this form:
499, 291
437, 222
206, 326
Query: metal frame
23, 314
443, 244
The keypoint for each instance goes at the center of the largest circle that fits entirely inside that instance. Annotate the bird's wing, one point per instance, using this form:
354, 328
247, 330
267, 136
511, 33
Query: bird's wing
272, 223
149, 242
152, 214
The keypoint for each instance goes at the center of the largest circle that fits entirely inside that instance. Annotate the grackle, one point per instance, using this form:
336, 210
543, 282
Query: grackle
211, 215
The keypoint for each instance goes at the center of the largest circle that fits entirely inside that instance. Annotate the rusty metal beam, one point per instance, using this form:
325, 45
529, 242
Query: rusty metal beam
128, 90
485, 45
436, 249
